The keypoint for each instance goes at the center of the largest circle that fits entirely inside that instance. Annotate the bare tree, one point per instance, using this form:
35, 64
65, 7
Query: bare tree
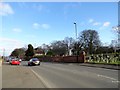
117, 30
69, 42
90, 40
58, 47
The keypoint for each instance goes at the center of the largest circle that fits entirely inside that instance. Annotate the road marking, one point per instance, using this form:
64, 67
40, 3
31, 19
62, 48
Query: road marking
43, 81
113, 79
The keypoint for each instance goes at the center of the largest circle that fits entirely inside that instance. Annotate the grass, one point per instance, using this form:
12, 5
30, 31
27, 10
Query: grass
102, 62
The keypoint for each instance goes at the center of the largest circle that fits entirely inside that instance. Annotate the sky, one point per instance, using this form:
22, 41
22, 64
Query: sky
36, 23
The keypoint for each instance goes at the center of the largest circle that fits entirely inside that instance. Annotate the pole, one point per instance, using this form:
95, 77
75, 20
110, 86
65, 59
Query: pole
76, 41
76, 30
3, 53
119, 37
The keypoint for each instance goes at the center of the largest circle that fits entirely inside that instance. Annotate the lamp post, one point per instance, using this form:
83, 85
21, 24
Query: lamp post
119, 36
75, 30
3, 53
76, 40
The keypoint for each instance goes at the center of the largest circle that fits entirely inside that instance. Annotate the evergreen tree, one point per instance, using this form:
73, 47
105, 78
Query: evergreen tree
29, 52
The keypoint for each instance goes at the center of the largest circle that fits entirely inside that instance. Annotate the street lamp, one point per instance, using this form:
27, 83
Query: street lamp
76, 41
3, 53
75, 30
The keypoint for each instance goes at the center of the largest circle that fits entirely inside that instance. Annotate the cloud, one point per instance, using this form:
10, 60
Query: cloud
96, 23
5, 9
106, 24
9, 45
45, 26
41, 26
36, 25
17, 30
91, 20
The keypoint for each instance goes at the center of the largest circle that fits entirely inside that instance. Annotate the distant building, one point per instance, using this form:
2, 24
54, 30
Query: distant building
70, 52
38, 52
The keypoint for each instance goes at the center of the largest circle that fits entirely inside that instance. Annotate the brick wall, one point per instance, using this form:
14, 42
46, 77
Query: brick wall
72, 59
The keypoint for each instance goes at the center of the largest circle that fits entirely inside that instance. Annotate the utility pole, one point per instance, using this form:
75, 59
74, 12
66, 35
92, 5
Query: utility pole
3, 53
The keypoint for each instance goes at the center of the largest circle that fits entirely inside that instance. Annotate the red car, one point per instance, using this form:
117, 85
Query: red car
15, 62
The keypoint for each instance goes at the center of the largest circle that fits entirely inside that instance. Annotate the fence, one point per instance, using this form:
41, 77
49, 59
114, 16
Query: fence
63, 59
103, 58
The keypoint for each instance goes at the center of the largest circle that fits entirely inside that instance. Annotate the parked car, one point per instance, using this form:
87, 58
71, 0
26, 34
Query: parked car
14, 61
8, 59
33, 61
20, 60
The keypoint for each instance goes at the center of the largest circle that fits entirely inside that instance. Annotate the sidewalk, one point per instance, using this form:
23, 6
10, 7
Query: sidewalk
0, 62
115, 67
19, 77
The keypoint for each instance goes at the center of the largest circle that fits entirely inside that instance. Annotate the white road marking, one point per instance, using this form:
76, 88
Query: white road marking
43, 80
113, 79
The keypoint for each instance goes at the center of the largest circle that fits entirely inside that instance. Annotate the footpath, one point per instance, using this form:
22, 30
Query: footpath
0, 62
15, 76
106, 66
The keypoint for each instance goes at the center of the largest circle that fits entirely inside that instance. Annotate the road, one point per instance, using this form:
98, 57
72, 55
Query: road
55, 75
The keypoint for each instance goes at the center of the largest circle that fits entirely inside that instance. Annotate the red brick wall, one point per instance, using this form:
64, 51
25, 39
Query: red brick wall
71, 59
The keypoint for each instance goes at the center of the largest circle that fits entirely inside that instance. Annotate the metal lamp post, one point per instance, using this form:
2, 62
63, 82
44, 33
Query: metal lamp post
75, 30
76, 41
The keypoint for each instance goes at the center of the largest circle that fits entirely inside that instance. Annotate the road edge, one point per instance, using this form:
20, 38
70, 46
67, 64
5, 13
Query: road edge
41, 79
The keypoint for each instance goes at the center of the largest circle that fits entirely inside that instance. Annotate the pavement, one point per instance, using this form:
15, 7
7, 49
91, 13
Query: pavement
0, 62
19, 77
115, 67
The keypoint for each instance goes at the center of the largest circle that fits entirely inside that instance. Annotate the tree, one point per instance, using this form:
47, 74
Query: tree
77, 48
90, 40
18, 52
117, 30
15, 53
29, 52
58, 48
45, 48
69, 42
49, 53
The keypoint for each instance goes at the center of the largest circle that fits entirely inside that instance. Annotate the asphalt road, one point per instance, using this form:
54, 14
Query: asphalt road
55, 75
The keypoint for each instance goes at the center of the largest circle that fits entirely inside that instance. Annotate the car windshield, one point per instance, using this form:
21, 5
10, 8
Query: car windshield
34, 59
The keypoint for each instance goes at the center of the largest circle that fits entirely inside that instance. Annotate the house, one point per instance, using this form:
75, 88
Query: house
38, 52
